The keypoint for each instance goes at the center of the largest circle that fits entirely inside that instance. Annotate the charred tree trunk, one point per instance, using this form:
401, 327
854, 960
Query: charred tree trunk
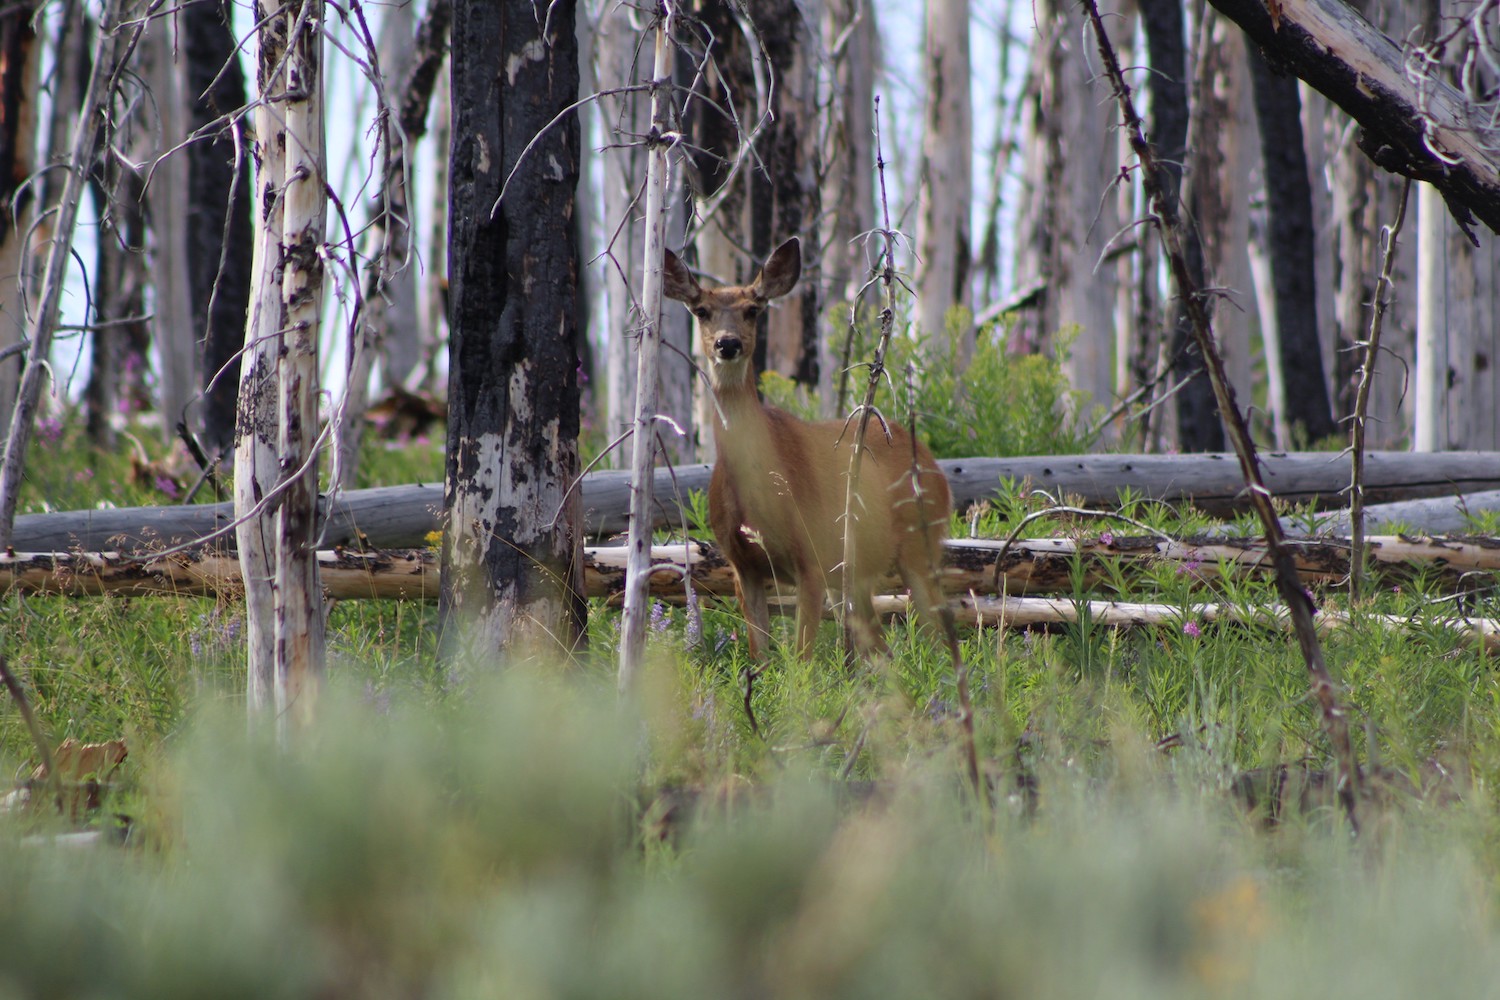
790, 154
121, 340
510, 552
1289, 211
761, 74
18, 122
218, 210
1198, 424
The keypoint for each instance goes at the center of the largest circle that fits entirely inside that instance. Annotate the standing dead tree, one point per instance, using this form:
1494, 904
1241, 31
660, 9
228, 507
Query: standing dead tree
118, 36
510, 548
1298, 602
643, 450
276, 437
19, 56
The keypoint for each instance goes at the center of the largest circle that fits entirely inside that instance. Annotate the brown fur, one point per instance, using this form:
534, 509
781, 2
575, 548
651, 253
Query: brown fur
776, 498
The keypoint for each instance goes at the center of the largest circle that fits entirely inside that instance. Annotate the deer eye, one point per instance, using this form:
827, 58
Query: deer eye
753, 312
701, 312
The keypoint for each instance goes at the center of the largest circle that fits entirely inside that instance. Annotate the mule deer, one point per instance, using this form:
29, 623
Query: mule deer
776, 497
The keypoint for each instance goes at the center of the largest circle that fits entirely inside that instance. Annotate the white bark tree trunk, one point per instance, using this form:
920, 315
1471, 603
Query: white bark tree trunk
944, 245
1086, 160
1225, 143
1457, 305
643, 443
278, 420
172, 326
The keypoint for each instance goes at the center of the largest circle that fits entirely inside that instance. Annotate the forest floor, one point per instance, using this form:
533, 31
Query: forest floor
1159, 819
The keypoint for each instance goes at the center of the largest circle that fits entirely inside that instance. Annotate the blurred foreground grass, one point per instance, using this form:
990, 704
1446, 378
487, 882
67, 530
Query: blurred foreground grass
503, 845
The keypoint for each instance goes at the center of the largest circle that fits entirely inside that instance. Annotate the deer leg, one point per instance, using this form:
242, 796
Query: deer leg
811, 589
863, 628
930, 605
751, 591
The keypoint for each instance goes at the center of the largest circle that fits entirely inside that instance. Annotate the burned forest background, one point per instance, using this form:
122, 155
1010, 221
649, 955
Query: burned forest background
273, 238
1007, 176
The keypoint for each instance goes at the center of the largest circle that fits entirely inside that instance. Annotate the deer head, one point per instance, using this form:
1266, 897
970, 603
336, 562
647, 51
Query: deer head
727, 316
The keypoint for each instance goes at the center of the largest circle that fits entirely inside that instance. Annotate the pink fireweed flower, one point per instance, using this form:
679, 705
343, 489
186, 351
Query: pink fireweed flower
1191, 564
1191, 628
1106, 539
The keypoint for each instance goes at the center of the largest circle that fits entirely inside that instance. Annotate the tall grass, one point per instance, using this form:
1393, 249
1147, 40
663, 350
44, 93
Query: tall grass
522, 834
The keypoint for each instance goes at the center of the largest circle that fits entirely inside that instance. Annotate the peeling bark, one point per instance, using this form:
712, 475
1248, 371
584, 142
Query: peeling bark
275, 461
510, 548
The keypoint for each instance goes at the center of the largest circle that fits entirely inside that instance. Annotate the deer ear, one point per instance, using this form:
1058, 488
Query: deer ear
781, 271
677, 281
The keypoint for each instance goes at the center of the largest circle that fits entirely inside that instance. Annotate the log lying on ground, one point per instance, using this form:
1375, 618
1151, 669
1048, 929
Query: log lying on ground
1029, 566
396, 517
1436, 516
406, 574
412, 575
1030, 612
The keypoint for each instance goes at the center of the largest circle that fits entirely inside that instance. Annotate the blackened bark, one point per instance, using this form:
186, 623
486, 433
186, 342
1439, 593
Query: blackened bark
1278, 111
430, 49
777, 193
508, 566
794, 199
1198, 425
716, 139
122, 341
17, 36
219, 238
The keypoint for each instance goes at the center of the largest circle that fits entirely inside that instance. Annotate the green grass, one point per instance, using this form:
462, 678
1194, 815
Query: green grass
522, 834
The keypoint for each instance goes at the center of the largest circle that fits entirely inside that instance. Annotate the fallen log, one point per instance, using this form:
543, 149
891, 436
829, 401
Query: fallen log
398, 517
1032, 612
413, 575
1028, 566
1434, 516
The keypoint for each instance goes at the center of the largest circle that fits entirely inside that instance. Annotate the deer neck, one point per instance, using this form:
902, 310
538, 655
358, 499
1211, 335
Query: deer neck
742, 428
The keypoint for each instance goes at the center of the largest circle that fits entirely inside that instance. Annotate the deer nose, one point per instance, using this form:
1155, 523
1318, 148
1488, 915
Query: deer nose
728, 348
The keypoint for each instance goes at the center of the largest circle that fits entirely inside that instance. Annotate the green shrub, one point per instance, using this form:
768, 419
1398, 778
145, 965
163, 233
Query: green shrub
998, 405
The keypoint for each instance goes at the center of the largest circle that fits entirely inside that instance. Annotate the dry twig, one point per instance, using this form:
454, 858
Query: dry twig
1296, 598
